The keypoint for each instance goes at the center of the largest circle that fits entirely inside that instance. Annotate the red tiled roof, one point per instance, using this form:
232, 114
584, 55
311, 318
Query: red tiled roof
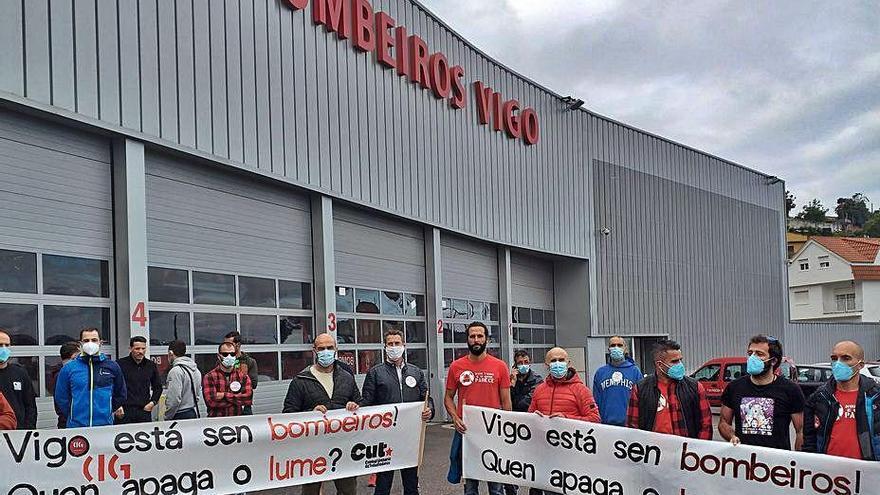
852, 249
866, 272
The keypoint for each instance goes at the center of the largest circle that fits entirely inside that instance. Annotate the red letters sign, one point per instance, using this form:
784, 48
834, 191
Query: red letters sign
410, 56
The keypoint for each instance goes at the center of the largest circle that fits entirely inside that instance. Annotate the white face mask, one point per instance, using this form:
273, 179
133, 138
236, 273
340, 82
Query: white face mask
394, 353
91, 348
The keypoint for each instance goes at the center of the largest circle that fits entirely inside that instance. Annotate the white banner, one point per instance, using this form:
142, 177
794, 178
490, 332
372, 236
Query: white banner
218, 455
575, 457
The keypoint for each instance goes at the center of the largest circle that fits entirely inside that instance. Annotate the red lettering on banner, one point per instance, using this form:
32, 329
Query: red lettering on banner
333, 15
419, 61
384, 41
331, 426
362, 18
296, 468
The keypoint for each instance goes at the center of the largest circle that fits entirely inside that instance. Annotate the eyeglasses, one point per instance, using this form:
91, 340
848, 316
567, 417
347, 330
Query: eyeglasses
226, 354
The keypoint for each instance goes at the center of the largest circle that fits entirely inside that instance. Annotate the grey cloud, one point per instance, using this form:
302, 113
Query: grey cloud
786, 87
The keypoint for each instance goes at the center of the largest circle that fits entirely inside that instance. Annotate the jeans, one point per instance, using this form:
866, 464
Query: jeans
344, 486
472, 487
409, 477
185, 414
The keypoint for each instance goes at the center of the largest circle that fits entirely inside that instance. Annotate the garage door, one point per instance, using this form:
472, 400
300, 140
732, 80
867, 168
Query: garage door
380, 279
230, 252
56, 222
470, 292
534, 328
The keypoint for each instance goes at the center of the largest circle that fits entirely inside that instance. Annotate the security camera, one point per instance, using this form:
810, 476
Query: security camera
606, 231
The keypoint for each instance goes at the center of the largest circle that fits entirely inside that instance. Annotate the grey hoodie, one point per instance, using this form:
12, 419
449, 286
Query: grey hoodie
179, 396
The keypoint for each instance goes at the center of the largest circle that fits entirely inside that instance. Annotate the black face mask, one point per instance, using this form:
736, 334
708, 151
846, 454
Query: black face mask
476, 349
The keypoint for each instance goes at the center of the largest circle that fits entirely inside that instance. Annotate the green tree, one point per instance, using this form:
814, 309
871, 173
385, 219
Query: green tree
813, 211
789, 202
872, 225
854, 209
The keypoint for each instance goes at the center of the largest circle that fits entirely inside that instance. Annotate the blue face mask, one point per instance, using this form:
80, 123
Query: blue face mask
326, 357
754, 365
616, 353
558, 369
5, 352
523, 369
842, 372
676, 371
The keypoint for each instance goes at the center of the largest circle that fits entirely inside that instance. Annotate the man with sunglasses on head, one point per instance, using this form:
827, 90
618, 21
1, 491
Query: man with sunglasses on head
91, 387
842, 418
668, 401
226, 388
321, 387
762, 404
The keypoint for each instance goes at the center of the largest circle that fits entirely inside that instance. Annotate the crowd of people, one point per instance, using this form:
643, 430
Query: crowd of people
842, 418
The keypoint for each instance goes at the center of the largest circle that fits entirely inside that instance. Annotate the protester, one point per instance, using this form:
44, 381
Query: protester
763, 405
67, 352
16, 385
523, 381
478, 379
184, 384
613, 383
392, 382
321, 387
226, 389
668, 401
842, 418
7, 415
142, 382
245, 363
91, 386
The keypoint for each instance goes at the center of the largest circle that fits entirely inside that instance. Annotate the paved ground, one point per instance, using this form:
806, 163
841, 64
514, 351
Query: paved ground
433, 473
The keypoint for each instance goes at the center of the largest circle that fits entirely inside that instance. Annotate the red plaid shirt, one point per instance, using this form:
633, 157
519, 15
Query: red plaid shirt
679, 426
217, 381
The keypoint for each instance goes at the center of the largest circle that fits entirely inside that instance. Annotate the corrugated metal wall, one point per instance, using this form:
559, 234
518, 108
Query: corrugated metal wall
469, 269
531, 281
812, 342
55, 191
685, 262
204, 220
378, 252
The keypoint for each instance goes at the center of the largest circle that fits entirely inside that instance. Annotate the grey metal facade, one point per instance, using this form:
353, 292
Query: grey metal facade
695, 246
812, 342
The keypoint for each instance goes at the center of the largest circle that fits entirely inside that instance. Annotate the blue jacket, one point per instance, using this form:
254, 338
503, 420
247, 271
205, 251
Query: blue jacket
612, 385
820, 415
90, 389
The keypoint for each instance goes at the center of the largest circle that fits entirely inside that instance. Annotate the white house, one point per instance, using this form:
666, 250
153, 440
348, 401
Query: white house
836, 278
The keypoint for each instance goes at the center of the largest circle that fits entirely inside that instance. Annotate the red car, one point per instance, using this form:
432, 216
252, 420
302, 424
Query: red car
716, 373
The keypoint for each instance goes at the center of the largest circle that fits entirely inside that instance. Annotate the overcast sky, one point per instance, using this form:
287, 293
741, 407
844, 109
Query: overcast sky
790, 88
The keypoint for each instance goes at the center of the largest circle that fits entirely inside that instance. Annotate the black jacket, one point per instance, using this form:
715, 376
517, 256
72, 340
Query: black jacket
820, 413
306, 392
381, 385
142, 381
522, 390
18, 389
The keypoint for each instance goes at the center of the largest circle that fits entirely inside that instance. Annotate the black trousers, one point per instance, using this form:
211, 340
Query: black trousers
409, 477
135, 414
185, 414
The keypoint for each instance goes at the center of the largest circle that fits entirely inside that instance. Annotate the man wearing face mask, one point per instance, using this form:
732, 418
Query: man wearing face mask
523, 381
16, 385
91, 386
668, 401
321, 387
762, 404
613, 383
842, 418
392, 382
226, 388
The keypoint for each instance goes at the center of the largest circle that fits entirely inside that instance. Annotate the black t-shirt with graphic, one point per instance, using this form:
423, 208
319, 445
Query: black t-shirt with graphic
762, 413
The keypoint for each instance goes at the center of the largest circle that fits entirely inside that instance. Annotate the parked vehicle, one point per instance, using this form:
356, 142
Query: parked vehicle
716, 373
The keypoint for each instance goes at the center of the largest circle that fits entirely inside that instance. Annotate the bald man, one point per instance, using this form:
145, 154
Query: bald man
321, 387
836, 416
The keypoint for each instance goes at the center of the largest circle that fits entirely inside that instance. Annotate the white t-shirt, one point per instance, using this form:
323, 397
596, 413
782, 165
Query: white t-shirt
326, 379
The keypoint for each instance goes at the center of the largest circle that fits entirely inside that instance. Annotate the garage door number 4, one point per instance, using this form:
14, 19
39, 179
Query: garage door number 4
139, 315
